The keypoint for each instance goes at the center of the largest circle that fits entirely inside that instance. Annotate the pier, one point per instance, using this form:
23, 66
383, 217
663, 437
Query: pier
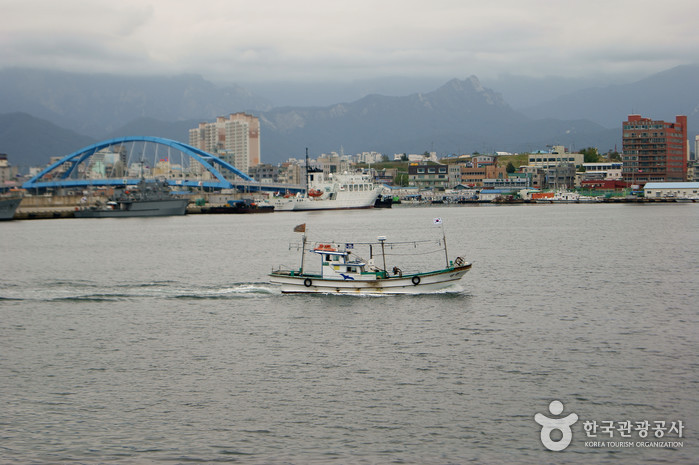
55, 207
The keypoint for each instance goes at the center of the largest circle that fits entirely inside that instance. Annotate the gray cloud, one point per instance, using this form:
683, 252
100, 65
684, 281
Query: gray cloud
319, 40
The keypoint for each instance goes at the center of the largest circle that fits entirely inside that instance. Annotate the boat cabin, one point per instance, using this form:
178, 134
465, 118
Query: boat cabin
337, 264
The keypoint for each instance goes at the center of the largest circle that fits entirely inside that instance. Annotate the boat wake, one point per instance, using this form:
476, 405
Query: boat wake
235, 291
93, 292
86, 291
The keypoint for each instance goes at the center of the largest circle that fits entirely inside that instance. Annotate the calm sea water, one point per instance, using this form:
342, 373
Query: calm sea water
158, 340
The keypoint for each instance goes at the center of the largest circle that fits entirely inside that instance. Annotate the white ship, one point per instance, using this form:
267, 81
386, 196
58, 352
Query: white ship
336, 191
330, 192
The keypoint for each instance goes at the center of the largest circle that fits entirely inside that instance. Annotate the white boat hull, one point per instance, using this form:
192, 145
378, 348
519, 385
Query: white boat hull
421, 283
343, 201
336, 192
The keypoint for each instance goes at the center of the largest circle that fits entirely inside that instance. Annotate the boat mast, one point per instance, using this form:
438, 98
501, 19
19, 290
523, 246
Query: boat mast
444, 238
382, 239
303, 249
307, 170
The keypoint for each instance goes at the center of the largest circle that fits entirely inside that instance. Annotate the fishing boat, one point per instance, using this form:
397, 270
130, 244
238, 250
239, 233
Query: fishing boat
343, 271
8, 207
562, 196
336, 191
145, 199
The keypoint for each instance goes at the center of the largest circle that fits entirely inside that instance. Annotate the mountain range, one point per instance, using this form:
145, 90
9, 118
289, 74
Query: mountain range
49, 113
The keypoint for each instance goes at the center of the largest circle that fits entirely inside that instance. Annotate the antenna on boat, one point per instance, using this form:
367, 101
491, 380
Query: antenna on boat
444, 238
302, 229
382, 239
306, 169
303, 250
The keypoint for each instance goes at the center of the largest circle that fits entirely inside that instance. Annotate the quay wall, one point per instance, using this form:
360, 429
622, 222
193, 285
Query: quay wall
49, 201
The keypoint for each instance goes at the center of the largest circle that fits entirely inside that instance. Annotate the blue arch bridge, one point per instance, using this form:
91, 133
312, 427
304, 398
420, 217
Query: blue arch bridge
125, 160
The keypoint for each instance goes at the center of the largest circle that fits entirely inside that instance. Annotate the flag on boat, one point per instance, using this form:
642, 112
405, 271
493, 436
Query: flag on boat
300, 228
437, 221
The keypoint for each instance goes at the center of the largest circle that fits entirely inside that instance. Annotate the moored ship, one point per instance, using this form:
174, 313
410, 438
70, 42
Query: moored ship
8, 207
146, 199
332, 192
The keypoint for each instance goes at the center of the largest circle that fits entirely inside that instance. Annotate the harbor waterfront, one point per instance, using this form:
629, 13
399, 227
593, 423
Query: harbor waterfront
159, 340
52, 207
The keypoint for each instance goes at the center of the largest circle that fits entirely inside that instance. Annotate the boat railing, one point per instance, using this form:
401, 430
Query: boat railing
284, 269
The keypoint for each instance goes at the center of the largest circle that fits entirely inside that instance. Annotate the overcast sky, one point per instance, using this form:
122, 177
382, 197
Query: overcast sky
330, 40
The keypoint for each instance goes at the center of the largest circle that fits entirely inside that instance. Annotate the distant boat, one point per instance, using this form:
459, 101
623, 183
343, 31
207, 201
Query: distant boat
332, 192
342, 271
8, 207
239, 206
384, 201
145, 199
563, 197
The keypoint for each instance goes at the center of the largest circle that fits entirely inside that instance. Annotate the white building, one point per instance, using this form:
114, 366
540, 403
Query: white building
608, 171
238, 136
109, 162
415, 158
557, 156
369, 157
678, 190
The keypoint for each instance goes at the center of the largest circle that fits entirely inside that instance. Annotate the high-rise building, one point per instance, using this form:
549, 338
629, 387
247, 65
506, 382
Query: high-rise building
654, 151
236, 138
8, 173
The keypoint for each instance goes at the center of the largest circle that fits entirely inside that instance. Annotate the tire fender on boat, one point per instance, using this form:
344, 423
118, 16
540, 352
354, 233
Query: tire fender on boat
416, 280
307, 282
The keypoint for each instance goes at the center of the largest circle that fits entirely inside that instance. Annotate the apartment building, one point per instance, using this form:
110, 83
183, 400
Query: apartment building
474, 176
654, 150
434, 175
235, 138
